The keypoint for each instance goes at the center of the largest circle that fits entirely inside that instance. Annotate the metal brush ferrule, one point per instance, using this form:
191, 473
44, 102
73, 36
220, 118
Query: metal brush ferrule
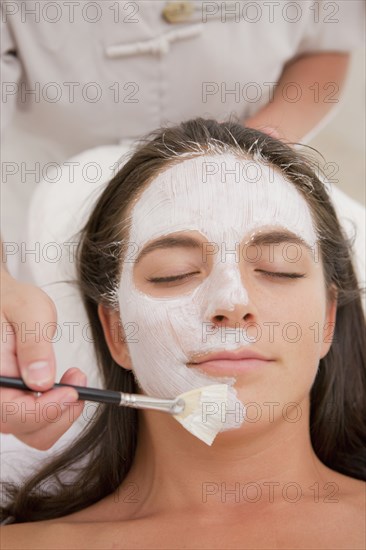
136, 401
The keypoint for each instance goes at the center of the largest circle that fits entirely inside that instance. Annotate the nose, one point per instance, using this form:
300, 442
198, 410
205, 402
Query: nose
229, 301
238, 317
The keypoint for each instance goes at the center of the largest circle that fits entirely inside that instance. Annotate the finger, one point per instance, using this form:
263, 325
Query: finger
53, 430
74, 376
9, 363
27, 414
36, 317
22, 412
57, 424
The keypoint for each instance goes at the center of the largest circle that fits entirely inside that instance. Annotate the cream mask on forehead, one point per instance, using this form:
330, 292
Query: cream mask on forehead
221, 198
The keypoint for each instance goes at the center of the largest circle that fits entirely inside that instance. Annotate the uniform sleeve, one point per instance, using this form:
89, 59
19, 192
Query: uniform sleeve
11, 71
337, 25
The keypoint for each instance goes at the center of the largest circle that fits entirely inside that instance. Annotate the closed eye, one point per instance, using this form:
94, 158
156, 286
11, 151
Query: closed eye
172, 278
281, 274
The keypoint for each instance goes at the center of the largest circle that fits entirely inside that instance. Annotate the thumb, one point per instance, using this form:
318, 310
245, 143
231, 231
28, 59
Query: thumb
36, 318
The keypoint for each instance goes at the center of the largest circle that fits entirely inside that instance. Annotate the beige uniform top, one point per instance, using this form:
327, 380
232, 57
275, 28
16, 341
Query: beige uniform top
84, 73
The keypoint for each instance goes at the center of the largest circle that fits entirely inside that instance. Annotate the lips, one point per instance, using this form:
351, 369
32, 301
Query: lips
230, 362
229, 355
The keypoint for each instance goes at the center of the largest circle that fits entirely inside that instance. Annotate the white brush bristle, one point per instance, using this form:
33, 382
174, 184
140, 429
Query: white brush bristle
202, 415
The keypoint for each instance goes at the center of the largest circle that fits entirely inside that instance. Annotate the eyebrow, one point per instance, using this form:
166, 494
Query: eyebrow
278, 237
169, 242
184, 241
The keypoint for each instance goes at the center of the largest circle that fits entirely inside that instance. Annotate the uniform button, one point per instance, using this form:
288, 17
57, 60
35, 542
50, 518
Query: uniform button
178, 12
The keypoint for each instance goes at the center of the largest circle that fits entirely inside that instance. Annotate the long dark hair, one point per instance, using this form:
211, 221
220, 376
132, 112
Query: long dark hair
102, 456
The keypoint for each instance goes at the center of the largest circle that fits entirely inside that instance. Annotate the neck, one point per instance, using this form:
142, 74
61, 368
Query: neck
174, 471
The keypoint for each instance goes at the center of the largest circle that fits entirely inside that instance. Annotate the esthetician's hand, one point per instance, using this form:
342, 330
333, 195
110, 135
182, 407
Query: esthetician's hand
273, 132
295, 119
270, 131
37, 421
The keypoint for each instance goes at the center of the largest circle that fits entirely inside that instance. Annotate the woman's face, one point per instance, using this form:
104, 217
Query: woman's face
223, 255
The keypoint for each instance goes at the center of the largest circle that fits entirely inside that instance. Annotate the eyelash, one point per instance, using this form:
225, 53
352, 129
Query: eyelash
170, 279
158, 280
284, 275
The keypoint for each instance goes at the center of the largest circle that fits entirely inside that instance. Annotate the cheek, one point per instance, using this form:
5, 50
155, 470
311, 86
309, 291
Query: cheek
302, 321
164, 323
296, 310
166, 327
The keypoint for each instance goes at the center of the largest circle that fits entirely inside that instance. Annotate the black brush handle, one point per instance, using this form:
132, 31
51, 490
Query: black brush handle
85, 394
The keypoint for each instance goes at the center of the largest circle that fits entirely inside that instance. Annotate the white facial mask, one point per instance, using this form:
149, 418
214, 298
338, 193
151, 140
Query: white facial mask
225, 207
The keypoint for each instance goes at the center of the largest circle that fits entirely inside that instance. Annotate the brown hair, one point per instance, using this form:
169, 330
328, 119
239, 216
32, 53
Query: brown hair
102, 456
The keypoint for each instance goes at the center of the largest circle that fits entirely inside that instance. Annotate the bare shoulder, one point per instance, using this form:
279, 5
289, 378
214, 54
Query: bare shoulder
353, 490
349, 492
344, 514
58, 534
345, 501
357, 500
40, 535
